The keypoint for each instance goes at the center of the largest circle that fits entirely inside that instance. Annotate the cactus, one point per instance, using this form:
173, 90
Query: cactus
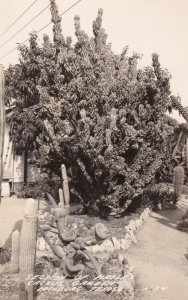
73, 268
108, 137
101, 231
52, 200
178, 180
61, 198
28, 244
22, 291
14, 263
65, 185
56, 249
56, 20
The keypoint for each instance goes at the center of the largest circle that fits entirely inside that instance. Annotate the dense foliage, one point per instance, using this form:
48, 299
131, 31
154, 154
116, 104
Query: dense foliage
38, 189
159, 196
92, 110
177, 153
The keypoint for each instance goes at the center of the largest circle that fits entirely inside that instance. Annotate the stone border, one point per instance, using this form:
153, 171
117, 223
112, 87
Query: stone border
111, 244
126, 285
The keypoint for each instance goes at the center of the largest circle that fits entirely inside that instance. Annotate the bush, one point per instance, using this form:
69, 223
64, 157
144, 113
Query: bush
92, 110
37, 189
159, 196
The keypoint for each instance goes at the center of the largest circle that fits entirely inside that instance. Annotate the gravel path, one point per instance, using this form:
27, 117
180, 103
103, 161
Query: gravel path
159, 257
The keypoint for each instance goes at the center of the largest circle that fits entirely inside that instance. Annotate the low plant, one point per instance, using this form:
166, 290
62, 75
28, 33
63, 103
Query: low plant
38, 189
159, 196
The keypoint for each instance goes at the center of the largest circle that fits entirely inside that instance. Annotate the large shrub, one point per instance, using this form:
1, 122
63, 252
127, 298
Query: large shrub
92, 110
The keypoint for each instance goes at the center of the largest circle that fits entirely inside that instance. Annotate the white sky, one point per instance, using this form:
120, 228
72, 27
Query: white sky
147, 26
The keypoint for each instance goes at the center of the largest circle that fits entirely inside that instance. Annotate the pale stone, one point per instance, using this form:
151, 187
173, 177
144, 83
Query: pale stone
127, 229
125, 244
116, 243
128, 272
96, 249
131, 236
132, 225
148, 210
120, 258
41, 244
125, 285
49, 250
128, 240
107, 246
141, 219
144, 216
134, 240
146, 213
138, 223
89, 248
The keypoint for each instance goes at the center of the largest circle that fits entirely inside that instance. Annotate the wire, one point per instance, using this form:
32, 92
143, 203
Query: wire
24, 26
17, 19
60, 15
41, 29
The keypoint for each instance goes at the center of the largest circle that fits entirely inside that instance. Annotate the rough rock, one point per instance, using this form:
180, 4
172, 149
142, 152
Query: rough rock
41, 244
132, 225
138, 223
128, 240
125, 286
107, 246
125, 243
144, 215
94, 249
116, 243
131, 236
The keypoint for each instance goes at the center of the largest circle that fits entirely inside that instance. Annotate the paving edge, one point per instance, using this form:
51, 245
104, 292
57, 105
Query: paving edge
111, 244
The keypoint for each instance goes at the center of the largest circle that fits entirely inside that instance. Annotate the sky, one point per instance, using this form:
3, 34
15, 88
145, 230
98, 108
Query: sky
146, 26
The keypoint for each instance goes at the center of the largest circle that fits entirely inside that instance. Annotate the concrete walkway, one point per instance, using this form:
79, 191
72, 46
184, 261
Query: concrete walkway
11, 214
159, 257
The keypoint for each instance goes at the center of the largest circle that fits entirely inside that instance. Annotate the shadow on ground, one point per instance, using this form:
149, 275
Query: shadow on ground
170, 217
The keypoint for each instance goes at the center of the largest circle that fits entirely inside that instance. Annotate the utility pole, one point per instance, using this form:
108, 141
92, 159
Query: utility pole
2, 125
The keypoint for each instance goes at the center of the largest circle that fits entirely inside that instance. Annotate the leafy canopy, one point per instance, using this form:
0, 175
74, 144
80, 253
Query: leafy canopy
94, 110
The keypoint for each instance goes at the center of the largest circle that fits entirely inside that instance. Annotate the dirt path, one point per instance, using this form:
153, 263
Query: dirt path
158, 258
